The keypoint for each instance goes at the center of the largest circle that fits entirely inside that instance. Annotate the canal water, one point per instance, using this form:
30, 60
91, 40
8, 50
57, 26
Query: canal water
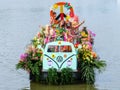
20, 20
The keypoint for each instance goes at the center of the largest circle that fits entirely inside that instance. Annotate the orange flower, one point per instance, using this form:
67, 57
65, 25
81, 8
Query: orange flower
65, 55
94, 54
41, 52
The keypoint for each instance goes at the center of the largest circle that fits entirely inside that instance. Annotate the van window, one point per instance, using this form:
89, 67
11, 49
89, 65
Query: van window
53, 48
65, 48
56, 48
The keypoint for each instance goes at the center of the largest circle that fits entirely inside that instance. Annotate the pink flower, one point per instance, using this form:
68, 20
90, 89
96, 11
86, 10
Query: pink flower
23, 56
38, 34
88, 43
54, 34
65, 37
76, 19
46, 40
91, 33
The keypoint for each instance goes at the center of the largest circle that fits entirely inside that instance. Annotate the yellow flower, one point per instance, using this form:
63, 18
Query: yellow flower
59, 42
68, 17
53, 56
55, 6
91, 61
35, 38
83, 34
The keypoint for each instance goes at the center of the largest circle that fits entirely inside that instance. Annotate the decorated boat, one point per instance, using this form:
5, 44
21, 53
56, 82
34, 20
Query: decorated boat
62, 51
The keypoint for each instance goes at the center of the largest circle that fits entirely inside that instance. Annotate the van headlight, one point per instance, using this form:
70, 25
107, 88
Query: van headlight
50, 63
69, 62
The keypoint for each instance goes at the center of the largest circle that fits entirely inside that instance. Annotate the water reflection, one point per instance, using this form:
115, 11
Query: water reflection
38, 86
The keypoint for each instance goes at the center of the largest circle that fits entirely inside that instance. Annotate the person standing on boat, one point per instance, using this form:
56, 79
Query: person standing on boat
53, 19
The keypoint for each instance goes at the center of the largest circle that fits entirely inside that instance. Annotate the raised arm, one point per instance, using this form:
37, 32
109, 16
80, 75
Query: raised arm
77, 26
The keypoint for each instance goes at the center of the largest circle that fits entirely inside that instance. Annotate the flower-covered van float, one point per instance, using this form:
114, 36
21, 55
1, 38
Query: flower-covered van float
61, 51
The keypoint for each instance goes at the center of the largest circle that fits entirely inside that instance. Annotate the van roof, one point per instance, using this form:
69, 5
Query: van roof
59, 43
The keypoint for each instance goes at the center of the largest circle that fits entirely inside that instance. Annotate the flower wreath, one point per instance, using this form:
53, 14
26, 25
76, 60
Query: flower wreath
62, 15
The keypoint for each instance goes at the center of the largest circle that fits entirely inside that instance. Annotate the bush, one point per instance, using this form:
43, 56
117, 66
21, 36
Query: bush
52, 77
66, 76
87, 64
31, 62
63, 77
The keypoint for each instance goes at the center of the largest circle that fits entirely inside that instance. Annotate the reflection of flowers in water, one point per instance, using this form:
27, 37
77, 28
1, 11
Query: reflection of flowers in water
50, 63
69, 62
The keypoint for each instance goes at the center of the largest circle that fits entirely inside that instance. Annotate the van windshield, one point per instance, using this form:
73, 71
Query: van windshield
65, 48
56, 48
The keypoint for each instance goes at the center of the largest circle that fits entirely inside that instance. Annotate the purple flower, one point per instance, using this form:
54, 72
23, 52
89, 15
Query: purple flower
93, 34
90, 32
23, 56
88, 43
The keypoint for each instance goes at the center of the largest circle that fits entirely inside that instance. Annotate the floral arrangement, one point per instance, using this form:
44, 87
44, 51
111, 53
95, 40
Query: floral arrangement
31, 62
63, 30
88, 61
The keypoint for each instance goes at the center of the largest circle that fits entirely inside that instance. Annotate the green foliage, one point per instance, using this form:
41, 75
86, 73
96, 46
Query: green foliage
87, 65
20, 65
31, 62
35, 67
66, 76
52, 77
63, 77
87, 73
99, 64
